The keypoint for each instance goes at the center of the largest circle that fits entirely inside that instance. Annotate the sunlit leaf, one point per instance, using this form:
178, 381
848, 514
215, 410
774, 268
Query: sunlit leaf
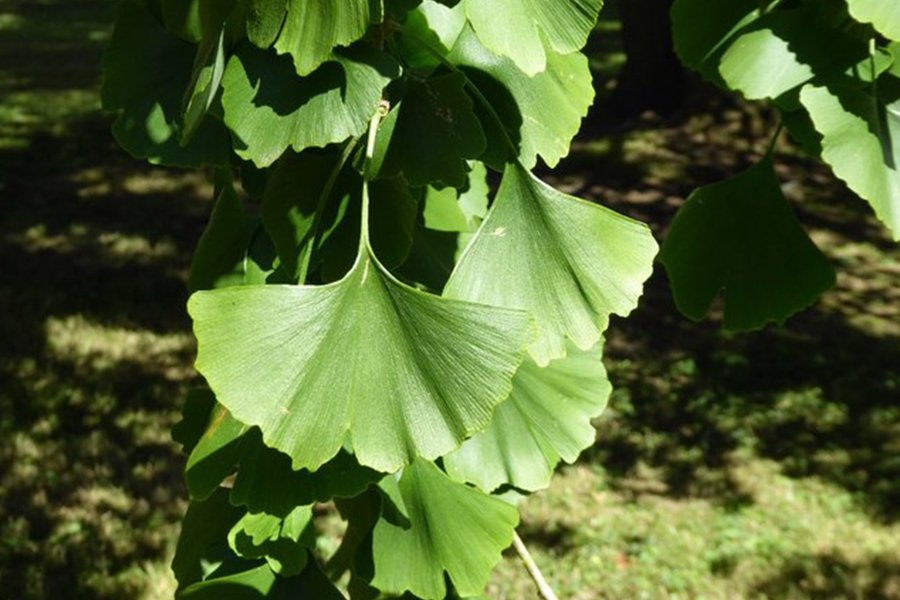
397, 371
569, 263
546, 419
524, 30
861, 142
883, 14
451, 528
268, 108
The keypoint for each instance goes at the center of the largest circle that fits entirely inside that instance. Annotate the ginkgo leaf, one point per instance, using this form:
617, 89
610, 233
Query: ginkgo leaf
202, 538
266, 482
569, 263
209, 66
450, 528
399, 372
312, 30
450, 209
541, 113
146, 71
268, 108
716, 243
520, 29
884, 15
265, 19
546, 419
703, 29
861, 140
215, 454
262, 582
279, 541
432, 133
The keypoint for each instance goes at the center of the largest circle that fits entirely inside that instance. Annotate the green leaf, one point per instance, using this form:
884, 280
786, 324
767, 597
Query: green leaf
520, 29
198, 405
267, 483
400, 372
277, 540
571, 264
146, 71
741, 236
209, 67
436, 131
289, 205
437, 25
747, 66
268, 108
262, 582
547, 418
541, 113
205, 525
265, 19
313, 29
452, 210
215, 454
451, 527
220, 259
861, 140
703, 29
883, 14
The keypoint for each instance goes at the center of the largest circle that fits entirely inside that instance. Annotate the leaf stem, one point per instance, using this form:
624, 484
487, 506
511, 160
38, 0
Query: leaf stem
320, 207
488, 107
380, 113
771, 150
544, 589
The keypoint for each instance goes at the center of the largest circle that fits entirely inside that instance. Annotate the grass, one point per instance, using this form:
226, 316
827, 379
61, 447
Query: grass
728, 467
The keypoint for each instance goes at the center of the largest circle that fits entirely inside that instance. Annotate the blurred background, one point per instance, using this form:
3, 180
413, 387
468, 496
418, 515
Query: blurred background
734, 467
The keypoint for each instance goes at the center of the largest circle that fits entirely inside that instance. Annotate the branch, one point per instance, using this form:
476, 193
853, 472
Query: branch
544, 589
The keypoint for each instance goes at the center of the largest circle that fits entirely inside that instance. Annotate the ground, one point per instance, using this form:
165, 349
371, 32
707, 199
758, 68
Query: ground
734, 467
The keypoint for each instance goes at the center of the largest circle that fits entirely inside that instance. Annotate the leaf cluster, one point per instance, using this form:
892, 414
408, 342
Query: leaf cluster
832, 70
393, 314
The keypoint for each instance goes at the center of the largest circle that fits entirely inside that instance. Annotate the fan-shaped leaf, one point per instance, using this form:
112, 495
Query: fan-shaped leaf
861, 142
570, 263
451, 527
741, 236
547, 418
883, 14
146, 71
400, 372
268, 108
312, 30
542, 113
519, 29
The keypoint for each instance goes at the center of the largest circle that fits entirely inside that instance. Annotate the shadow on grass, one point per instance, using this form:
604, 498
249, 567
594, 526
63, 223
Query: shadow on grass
834, 577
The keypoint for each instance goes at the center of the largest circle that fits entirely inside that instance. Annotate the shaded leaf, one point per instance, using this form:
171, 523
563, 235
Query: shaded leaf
741, 236
569, 263
205, 526
435, 132
146, 71
261, 582
452, 210
542, 113
451, 527
546, 419
275, 539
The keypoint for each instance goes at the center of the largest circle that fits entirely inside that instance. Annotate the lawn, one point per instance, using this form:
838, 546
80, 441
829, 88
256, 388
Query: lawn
728, 466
